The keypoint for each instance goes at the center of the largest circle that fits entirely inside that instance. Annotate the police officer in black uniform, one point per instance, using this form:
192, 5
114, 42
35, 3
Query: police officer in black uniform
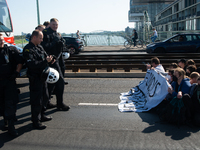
37, 60
53, 44
10, 65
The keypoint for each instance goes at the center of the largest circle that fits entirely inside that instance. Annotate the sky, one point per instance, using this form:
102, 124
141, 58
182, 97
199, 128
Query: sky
84, 15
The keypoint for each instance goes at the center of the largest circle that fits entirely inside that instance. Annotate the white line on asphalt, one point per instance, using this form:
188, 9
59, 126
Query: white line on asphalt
97, 104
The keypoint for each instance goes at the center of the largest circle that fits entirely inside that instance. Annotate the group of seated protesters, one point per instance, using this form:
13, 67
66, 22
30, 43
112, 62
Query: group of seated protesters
184, 78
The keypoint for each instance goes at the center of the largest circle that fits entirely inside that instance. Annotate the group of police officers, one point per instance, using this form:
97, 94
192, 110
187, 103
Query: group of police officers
41, 55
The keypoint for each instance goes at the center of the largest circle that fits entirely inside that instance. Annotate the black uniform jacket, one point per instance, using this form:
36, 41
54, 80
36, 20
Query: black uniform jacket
9, 59
35, 57
52, 42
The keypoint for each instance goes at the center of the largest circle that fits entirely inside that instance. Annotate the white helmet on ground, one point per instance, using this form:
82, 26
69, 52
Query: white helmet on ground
66, 55
50, 75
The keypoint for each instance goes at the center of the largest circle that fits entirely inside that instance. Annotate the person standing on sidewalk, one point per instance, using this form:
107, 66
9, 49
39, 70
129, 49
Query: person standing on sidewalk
53, 44
10, 66
37, 60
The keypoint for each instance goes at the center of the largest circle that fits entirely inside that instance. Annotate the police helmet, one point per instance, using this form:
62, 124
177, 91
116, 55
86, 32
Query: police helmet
50, 75
65, 55
28, 36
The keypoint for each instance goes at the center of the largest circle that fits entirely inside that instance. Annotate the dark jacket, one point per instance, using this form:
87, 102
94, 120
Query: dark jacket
35, 57
9, 59
52, 43
184, 87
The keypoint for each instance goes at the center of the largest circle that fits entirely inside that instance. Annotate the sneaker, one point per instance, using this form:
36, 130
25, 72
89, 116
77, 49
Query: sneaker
63, 108
50, 105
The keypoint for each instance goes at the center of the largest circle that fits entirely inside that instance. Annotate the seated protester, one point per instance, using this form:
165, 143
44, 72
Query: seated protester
172, 77
190, 62
195, 106
190, 69
194, 77
176, 109
173, 66
193, 81
182, 63
182, 84
155, 63
169, 76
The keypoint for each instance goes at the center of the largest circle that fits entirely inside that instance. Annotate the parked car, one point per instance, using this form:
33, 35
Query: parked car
179, 43
73, 45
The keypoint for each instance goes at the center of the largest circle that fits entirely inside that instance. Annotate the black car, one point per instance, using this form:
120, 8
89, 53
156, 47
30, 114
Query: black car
73, 45
179, 43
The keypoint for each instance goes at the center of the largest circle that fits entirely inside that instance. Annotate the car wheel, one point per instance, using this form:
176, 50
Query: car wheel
72, 50
159, 50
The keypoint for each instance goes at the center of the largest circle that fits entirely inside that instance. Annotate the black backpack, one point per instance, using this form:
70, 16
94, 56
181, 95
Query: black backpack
174, 112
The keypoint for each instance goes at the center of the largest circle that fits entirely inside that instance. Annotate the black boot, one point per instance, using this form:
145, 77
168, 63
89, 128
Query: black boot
11, 128
5, 124
38, 125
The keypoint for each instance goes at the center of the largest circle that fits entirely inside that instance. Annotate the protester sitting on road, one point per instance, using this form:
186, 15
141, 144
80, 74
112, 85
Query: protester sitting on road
182, 84
194, 103
190, 62
194, 77
169, 76
182, 63
155, 64
190, 69
173, 66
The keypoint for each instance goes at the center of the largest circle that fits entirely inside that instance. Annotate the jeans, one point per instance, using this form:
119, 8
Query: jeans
153, 38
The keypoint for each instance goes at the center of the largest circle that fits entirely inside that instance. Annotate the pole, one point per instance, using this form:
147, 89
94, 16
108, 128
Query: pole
38, 12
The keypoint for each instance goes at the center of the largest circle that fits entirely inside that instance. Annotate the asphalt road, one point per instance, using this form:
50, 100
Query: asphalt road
96, 127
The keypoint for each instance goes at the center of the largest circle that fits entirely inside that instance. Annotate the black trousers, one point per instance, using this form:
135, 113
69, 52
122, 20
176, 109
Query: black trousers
8, 99
38, 97
58, 87
134, 41
62, 66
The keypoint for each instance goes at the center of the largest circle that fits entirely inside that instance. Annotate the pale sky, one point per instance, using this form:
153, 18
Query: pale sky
84, 15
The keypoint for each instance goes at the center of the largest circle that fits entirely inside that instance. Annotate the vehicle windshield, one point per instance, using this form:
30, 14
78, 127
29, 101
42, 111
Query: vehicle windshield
168, 38
5, 21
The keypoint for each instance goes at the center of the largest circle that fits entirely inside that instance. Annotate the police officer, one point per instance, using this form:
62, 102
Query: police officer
37, 60
53, 44
10, 66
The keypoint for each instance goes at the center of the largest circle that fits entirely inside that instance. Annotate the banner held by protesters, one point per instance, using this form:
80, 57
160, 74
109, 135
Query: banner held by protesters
145, 96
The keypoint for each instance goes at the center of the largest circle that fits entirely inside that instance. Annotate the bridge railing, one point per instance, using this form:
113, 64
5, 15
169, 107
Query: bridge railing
123, 62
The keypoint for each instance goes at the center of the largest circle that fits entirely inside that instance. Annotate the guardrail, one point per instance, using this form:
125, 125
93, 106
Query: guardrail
124, 62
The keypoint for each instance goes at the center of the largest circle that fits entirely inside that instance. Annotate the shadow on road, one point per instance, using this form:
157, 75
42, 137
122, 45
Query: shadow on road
170, 130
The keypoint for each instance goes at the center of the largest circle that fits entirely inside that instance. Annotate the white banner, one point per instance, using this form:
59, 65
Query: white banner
148, 94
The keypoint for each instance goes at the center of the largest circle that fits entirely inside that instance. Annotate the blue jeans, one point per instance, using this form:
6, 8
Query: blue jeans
153, 38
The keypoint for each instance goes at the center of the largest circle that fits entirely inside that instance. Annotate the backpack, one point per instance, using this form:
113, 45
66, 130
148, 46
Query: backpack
174, 112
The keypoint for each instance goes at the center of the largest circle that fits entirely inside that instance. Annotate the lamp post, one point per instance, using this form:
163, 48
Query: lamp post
38, 12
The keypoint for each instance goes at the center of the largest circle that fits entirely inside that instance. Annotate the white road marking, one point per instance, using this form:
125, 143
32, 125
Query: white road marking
97, 104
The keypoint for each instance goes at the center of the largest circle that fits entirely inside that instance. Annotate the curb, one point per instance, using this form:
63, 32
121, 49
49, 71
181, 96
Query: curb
105, 75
